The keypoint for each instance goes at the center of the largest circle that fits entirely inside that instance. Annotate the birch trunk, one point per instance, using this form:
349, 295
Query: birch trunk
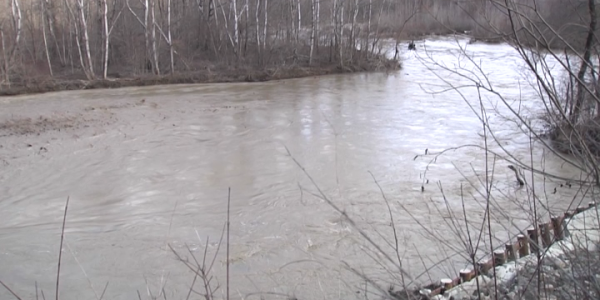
86, 39
46, 40
298, 7
153, 38
247, 26
231, 40
265, 34
236, 33
312, 31
353, 31
291, 32
145, 26
257, 17
49, 16
171, 50
4, 57
341, 31
17, 17
317, 26
369, 28
73, 20
106, 38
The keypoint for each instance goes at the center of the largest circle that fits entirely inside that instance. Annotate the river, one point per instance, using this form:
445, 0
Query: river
148, 167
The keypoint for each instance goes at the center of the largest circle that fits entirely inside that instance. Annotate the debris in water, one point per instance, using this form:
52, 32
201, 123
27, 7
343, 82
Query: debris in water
412, 46
519, 180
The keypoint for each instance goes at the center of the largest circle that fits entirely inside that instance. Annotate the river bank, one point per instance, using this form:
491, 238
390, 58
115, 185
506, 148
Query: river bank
225, 74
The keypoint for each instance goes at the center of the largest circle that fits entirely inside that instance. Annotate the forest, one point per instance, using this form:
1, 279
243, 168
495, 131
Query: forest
68, 44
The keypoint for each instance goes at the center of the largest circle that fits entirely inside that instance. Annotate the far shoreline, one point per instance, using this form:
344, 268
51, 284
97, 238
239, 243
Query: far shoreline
228, 75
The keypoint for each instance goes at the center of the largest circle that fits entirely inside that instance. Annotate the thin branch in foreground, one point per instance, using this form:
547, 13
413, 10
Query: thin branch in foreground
10, 291
228, 224
62, 238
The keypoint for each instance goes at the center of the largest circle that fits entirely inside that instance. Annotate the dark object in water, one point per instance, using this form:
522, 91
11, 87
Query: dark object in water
519, 180
412, 46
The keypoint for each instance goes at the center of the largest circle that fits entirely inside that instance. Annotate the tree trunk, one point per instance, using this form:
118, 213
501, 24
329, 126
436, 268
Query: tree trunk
298, 10
236, 33
16, 16
312, 31
4, 57
589, 43
231, 39
171, 50
341, 31
106, 38
257, 17
247, 26
265, 34
73, 21
368, 28
86, 39
153, 38
49, 16
353, 31
144, 25
46, 40
317, 26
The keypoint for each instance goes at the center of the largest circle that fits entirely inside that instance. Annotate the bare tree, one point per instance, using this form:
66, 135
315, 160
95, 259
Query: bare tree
257, 20
168, 37
266, 25
153, 36
48, 60
17, 25
4, 56
86, 39
106, 38
145, 25
312, 31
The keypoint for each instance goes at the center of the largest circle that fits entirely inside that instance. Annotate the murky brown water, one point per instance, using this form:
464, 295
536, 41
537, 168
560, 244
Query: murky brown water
146, 167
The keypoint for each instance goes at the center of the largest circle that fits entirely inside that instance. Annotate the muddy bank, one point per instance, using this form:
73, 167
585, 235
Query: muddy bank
241, 74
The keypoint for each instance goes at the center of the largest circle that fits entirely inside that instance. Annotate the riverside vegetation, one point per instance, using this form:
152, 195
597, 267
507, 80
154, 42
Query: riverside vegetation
82, 44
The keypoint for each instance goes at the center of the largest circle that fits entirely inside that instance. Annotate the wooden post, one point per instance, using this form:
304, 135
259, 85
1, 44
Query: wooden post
523, 245
466, 275
557, 225
499, 257
447, 283
484, 267
545, 233
511, 253
533, 240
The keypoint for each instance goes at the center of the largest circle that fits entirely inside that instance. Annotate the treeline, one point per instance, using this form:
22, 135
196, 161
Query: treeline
99, 39
103, 38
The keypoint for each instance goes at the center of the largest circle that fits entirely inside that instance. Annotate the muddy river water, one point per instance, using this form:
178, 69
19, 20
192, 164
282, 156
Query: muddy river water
149, 167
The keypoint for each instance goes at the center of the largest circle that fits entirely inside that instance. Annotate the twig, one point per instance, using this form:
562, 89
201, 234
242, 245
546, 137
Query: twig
10, 291
62, 238
228, 224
